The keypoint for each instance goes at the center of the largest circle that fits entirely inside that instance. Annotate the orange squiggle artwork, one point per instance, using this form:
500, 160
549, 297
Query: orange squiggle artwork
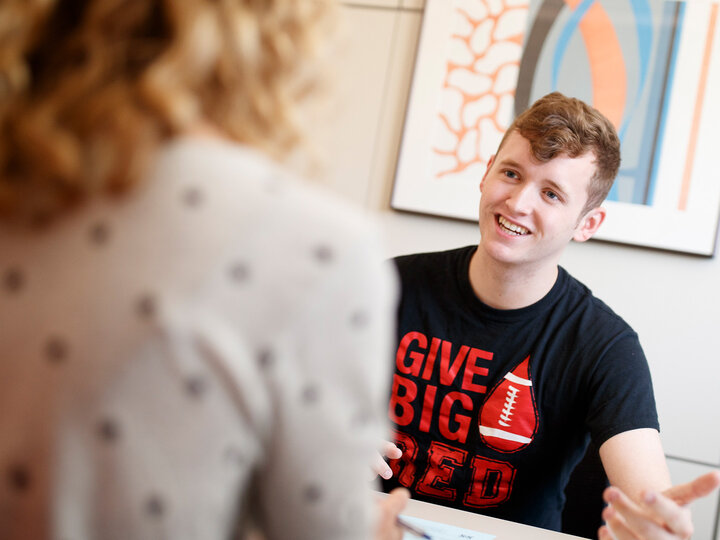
476, 100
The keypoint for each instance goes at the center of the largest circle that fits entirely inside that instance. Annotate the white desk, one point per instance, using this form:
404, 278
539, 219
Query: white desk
503, 530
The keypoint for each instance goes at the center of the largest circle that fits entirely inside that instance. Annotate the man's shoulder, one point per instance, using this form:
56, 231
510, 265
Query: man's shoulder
432, 260
581, 296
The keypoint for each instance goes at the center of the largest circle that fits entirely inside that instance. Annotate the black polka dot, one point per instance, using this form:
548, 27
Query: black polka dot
323, 254
265, 358
108, 430
146, 306
13, 280
18, 478
56, 350
359, 319
192, 197
239, 272
196, 386
310, 394
99, 234
312, 493
155, 506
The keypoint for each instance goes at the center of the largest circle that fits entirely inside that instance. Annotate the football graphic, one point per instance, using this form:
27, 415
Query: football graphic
508, 418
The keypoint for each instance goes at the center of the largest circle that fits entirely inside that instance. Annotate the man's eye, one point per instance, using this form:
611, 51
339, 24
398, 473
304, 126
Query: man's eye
552, 195
510, 174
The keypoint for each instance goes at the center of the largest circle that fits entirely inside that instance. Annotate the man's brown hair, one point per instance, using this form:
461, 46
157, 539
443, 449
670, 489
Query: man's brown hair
557, 125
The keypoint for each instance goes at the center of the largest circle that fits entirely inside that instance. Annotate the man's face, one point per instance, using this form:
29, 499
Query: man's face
530, 210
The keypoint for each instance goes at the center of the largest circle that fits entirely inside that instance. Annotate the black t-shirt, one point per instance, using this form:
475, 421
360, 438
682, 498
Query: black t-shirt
494, 408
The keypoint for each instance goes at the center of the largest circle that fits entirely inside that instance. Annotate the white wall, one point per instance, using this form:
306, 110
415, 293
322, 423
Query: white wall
672, 300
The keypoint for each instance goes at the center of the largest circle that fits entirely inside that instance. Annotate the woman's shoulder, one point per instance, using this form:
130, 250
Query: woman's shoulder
250, 185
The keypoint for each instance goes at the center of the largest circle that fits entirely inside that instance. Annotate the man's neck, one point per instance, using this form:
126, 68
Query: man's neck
505, 286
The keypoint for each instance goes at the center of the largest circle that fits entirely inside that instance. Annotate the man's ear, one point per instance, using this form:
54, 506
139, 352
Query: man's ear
487, 170
589, 224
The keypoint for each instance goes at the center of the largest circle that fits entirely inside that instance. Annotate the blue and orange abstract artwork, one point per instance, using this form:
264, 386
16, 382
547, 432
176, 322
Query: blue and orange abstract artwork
648, 65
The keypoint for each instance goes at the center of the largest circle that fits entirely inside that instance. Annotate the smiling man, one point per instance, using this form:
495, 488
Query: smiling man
507, 366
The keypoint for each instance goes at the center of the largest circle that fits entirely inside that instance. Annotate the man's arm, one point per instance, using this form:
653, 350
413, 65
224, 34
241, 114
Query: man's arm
642, 503
634, 461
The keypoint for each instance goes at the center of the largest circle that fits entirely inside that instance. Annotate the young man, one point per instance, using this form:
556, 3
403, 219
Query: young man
507, 366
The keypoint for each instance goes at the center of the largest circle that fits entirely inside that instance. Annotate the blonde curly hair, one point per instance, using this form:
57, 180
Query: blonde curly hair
89, 88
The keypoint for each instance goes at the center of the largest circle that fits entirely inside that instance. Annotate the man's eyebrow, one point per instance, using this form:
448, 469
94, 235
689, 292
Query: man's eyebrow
509, 162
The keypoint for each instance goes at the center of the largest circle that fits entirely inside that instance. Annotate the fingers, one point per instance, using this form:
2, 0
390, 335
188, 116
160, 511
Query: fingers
620, 508
381, 468
391, 450
628, 520
656, 517
700, 487
615, 526
390, 507
397, 500
676, 518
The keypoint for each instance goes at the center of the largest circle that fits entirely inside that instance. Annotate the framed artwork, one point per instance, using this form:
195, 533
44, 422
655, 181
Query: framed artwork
651, 66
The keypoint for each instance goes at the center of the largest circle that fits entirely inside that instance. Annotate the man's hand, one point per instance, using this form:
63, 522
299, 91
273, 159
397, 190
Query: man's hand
379, 466
389, 509
657, 516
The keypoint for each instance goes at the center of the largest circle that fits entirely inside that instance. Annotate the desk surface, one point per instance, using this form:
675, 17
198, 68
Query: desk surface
503, 530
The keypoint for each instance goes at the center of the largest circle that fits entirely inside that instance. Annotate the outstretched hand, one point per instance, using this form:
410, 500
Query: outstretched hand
379, 466
659, 515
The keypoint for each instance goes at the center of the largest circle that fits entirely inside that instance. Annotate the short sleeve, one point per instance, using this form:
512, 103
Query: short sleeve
621, 391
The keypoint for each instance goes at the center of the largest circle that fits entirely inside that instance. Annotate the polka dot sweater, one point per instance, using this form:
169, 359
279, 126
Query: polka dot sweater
210, 353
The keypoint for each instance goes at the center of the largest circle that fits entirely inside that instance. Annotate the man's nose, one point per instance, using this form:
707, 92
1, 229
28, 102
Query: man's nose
520, 199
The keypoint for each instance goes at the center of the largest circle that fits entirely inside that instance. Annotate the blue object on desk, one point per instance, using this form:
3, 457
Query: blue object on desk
440, 531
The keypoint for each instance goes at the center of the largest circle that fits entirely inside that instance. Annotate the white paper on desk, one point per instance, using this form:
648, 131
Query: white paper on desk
440, 531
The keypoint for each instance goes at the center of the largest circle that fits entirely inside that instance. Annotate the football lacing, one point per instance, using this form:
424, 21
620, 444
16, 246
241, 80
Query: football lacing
510, 399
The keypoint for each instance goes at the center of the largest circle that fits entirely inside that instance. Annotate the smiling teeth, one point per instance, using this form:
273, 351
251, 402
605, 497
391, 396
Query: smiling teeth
511, 227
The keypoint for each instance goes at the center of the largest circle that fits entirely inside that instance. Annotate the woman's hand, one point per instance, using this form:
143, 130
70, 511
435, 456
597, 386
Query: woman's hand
379, 466
389, 510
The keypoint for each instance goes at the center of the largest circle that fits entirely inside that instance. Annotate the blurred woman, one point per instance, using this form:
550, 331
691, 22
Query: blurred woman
192, 341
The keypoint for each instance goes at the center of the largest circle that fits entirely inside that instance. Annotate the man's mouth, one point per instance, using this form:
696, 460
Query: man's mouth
511, 228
